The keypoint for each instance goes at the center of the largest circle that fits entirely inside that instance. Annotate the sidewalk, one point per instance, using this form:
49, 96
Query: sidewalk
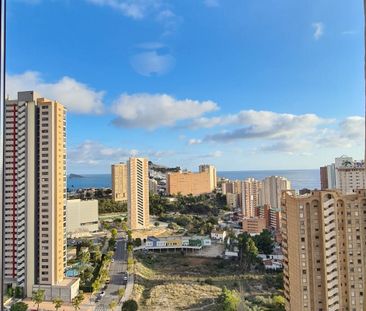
129, 288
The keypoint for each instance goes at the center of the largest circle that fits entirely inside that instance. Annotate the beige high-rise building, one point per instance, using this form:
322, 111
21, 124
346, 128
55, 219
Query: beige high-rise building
250, 190
212, 172
138, 193
119, 182
231, 187
272, 190
324, 236
35, 192
187, 183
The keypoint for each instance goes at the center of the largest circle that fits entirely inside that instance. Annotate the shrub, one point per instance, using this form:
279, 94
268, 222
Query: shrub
130, 305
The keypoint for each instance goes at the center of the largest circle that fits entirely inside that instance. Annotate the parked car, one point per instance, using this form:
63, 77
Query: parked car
102, 294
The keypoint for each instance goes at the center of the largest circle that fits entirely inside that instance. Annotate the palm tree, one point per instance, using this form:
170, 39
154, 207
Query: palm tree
96, 285
38, 297
57, 302
76, 301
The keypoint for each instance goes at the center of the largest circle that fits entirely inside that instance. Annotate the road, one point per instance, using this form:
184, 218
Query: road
119, 265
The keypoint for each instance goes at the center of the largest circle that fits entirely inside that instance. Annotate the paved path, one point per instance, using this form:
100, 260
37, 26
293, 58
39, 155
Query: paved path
119, 265
129, 288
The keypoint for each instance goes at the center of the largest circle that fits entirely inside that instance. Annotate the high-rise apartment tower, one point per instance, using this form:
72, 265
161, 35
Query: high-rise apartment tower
35, 192
138, 193
119, 182
324, 236
212, 172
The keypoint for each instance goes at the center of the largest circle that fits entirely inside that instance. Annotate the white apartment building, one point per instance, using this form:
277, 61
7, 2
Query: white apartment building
272, 190
81, 217
346, 175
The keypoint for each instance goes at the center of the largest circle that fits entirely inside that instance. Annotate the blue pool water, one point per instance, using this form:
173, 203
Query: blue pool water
72, 273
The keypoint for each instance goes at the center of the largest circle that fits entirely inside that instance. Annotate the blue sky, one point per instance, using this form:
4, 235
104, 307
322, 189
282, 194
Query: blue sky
241, 84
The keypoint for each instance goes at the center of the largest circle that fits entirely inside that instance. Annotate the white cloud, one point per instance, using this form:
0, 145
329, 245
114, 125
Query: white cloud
350, 132
216, 154
151, 111
288, 146
262, 124
136, 9
95, 156
318, 30
352, 127
194, 141
287, 133
211, 3
151, 63
76, 96
94, 153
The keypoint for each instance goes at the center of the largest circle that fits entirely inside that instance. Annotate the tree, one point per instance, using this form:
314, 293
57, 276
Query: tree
96, 285
18, 292
124, 227
228, 300
137, 242
19, 306
114, 233
38, 297
57, 303
84, 257
10, 291
264, 242
112, 305
279, 303
97, 255
248, 252
130, 305
77, 300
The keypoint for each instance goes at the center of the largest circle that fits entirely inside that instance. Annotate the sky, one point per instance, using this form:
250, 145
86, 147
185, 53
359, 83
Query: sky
240, 84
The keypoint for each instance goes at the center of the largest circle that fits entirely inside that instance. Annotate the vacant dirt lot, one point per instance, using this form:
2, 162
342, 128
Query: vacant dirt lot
172, 281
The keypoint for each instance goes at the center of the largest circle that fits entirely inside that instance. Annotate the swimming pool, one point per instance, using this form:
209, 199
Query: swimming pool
72, 273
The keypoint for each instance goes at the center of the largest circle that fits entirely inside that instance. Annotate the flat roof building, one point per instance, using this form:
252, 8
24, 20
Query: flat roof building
187, 183
81, 217
254, 225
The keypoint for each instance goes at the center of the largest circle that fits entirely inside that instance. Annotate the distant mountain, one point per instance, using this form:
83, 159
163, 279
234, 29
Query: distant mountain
75, 176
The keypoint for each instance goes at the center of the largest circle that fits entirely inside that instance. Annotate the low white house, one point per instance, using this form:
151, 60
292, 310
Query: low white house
81, 217
272, 264
219, 235
231, 254
272, 256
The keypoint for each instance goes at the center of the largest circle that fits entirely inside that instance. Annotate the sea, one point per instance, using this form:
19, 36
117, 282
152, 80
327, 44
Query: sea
299, 178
